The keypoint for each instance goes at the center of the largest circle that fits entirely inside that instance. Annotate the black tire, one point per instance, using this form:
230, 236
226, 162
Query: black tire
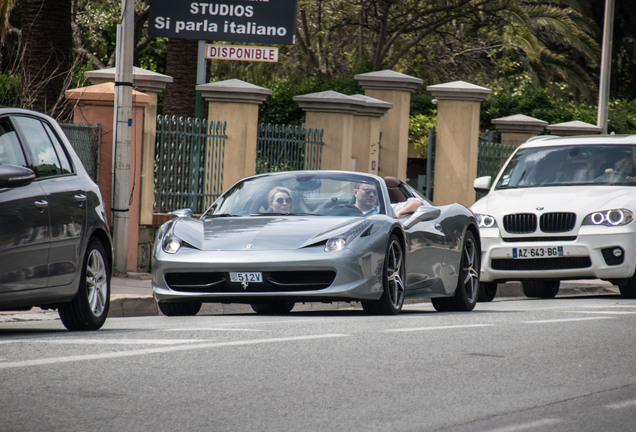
541, 288
89, 308
467, 290
179, 309
628, 289
487, 291
274, 308
393, 282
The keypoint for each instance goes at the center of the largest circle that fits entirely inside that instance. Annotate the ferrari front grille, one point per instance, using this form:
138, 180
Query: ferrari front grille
565, 263
277, 281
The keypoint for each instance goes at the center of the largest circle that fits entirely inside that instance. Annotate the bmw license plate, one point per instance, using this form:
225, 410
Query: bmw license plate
538, 252
249, 277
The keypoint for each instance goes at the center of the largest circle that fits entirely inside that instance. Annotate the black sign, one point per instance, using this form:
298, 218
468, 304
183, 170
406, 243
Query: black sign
260, 21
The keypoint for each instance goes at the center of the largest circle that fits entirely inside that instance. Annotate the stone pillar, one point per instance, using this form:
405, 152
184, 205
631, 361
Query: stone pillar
333, 112
574, 128
457, 141
95, 104
365, 144
152, 84
236, 103
395, 88
519, 128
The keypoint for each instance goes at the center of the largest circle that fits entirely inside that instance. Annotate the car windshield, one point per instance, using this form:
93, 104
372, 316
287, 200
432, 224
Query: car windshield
302, 193
570, 165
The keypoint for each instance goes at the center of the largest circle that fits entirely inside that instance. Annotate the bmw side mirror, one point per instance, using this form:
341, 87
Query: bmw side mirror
482, 184
15, 176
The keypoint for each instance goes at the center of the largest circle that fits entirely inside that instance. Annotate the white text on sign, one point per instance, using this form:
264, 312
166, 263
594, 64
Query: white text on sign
245, 53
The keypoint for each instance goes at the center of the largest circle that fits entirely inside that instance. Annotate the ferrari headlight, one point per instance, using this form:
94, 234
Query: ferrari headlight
340, 241
614, 217
171, 245
486, 221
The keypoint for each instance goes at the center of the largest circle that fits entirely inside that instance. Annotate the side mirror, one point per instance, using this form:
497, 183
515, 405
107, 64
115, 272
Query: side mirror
482, 184
15, 176
181, 213
422, 214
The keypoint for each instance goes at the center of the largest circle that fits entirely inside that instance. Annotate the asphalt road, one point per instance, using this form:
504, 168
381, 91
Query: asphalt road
564, 364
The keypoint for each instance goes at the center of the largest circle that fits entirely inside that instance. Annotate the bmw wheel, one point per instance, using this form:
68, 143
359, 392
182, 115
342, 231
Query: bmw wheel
467, 290
393, 280
89, 307
541, 288
487, 291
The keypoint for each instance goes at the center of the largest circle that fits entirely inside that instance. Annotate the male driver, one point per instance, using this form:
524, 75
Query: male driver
366, 196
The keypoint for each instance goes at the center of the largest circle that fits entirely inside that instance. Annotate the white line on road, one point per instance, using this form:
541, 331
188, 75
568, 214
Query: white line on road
211, 329
449, 327
539, 424
565, 320
622, 405
602, 312
175, 348
71, 341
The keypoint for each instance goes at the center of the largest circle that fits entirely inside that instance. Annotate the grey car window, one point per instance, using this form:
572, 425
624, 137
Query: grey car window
10, 150
46, 160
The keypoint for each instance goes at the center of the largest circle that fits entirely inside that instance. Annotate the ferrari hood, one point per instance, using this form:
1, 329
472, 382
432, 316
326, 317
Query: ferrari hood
258, 233
577, 199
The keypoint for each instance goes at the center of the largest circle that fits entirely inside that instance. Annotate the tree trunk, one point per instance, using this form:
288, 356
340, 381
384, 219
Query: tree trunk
47, 62
180, 96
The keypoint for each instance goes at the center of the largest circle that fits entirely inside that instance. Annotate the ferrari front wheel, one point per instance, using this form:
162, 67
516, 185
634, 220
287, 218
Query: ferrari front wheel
393, 282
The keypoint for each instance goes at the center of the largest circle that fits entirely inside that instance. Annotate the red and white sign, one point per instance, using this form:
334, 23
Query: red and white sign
238, 52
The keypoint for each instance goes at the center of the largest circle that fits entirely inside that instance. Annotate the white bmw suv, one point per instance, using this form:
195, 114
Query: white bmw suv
560, 208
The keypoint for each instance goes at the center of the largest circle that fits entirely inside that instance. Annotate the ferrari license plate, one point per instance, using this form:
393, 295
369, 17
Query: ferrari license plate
250, 277
538, 252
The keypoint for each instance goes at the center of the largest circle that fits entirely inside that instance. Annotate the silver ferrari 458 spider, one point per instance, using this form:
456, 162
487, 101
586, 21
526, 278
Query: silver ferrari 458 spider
273, 240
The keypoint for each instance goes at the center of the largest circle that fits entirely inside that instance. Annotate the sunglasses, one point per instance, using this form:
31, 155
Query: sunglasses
284, 200
369, 191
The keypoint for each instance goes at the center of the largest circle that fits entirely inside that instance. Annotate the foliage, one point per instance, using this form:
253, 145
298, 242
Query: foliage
10, 89
419, 127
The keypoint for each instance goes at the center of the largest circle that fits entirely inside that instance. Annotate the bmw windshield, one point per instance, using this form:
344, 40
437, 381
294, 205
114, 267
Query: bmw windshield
570, 165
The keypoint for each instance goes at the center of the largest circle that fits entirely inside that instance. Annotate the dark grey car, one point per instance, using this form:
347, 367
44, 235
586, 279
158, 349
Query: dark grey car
55, 244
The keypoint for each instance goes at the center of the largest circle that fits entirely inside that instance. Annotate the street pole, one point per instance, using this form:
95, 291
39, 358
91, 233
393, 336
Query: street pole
606, 63
122, 133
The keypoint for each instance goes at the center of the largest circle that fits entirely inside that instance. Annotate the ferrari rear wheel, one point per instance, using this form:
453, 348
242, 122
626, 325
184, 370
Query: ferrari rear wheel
542, 288
274, 308
467, 290
180, 309
393, 280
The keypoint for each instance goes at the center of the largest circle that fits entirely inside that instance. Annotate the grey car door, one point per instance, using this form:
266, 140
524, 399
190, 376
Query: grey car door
24, 223
66, 197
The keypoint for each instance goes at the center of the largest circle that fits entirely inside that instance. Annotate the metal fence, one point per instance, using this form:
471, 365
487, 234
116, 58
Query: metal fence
85, 140
188, 163
492, 155
287, 148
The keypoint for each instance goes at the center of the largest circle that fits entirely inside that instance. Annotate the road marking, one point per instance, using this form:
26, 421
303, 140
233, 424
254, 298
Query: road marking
562, 320
71, 341
450, 327
622, 405
158, 350
539, 424
211, 329
603, 312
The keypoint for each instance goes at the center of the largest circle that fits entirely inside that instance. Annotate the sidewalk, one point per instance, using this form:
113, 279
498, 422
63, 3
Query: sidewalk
131, 295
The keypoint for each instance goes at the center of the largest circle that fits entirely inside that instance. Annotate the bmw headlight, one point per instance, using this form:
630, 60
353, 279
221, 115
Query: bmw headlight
486, 221
614, 217
340, 241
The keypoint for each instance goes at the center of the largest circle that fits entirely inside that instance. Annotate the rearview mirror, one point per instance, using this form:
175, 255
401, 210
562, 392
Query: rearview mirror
482, 184
15, 176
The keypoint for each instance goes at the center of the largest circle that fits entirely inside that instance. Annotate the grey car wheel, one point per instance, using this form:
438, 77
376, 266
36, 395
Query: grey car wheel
393, 281
467, 290
89, 307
